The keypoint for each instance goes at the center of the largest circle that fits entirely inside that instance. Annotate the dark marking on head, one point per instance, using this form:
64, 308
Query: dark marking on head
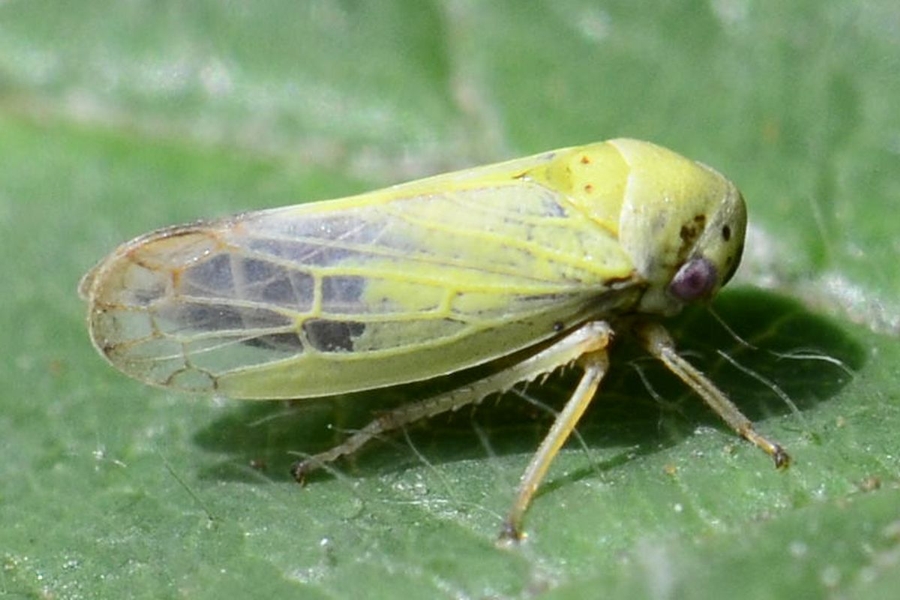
726, 232
558, 326
694, 280
691, 231
585, 159
332, 336
588, 188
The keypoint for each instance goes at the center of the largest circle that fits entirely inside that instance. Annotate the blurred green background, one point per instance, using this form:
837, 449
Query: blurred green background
120, 117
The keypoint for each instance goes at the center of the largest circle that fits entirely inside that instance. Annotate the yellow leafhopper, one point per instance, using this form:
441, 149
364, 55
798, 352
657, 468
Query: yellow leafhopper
544, 257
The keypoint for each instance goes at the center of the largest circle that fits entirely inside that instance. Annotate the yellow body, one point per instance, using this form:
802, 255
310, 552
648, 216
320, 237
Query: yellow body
546, 257
413, 281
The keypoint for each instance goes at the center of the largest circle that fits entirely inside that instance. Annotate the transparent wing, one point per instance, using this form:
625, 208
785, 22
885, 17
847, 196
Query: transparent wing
352, 294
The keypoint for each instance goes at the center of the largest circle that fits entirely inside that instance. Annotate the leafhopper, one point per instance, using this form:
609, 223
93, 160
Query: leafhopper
544, 258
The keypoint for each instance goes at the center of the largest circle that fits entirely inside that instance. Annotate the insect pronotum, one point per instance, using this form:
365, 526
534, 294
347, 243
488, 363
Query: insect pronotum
545, 257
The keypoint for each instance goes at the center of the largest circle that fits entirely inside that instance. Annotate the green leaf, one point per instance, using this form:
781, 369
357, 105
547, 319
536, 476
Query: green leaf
120, 117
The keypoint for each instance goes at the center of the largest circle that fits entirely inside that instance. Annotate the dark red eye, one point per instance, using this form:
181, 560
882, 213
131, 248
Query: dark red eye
695, 279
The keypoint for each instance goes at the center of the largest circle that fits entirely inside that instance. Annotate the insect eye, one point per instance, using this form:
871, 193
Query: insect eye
695, 279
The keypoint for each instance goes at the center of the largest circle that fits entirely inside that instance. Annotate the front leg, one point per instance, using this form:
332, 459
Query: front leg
595, 364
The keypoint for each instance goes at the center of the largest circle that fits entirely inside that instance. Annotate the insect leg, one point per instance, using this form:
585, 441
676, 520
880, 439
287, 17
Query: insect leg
595, 365
589, 339
658, 342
